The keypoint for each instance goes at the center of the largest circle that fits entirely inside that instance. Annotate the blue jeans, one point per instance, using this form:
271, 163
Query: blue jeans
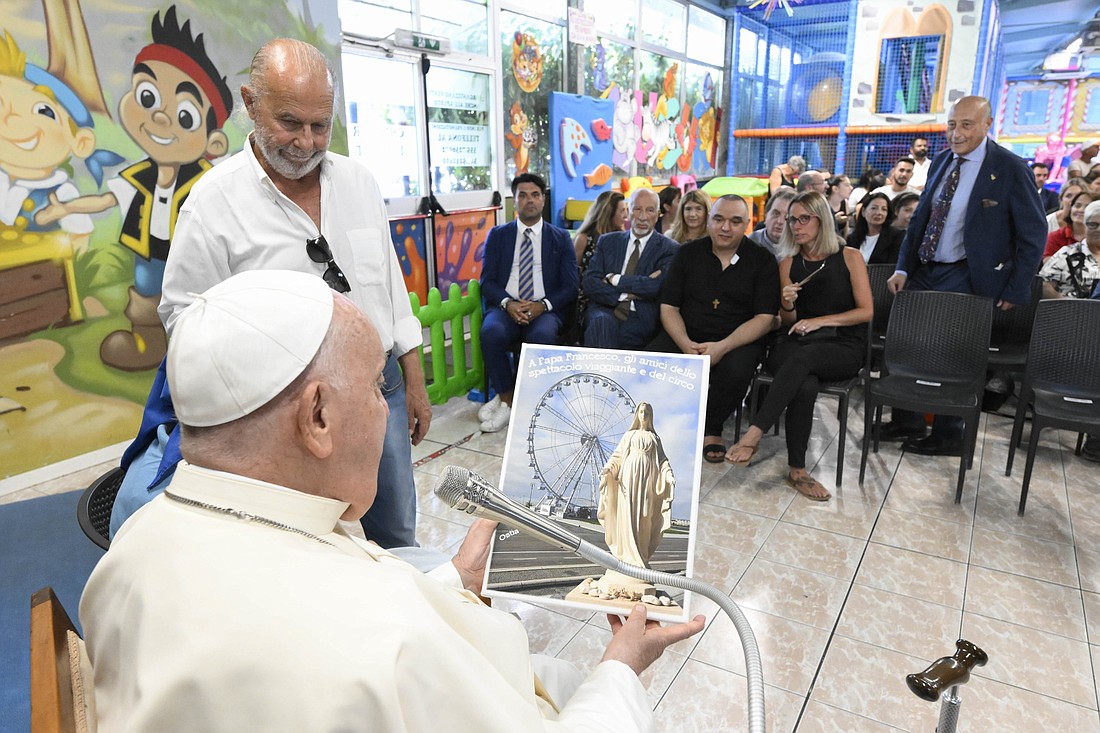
391, 520
135, 491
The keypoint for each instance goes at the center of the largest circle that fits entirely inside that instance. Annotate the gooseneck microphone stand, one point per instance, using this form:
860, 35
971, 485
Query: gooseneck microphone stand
469, 493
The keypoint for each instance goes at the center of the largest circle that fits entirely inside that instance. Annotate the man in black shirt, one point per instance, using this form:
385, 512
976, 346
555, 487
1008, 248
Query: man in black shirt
720, 298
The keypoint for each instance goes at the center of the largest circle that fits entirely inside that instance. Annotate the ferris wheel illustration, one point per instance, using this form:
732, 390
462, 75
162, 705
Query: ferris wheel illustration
574, 429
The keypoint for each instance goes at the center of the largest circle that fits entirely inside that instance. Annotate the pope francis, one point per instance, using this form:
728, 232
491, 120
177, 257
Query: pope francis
235, 602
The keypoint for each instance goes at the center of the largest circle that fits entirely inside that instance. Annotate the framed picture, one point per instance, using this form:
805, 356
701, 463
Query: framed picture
608, 444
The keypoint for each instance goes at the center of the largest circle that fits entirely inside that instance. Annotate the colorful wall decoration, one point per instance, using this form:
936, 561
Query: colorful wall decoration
460, 246
532, 52
625, 133
104, 103
584, 145
409, 240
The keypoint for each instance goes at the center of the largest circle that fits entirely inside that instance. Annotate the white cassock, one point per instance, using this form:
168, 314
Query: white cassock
199, 621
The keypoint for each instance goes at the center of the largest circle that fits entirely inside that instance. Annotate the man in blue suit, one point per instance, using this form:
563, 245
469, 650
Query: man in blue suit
529, 282
979, 228
624, 279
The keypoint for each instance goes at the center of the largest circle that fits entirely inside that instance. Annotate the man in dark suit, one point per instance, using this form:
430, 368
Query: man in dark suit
529, 284
979, 229
1048, 198
624, 279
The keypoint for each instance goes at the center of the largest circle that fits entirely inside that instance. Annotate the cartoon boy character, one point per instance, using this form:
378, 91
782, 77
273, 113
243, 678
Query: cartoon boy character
43, 123
174, 111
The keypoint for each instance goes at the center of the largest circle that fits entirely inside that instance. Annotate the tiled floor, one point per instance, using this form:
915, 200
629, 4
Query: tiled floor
848, 596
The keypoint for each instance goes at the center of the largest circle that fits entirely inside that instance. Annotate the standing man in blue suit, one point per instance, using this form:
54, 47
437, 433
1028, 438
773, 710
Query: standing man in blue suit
529, 281
624, 279
980, 228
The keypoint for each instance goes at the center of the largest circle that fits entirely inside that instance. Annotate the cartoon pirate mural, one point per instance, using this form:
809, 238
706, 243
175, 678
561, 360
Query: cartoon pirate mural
174, 110
43, 124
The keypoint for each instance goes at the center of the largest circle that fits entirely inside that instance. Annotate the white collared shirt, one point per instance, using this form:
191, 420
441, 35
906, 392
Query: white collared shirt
951, 246
512, 286
643, 241
236, 219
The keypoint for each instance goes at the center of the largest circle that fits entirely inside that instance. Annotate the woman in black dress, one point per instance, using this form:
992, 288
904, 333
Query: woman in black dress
826, 299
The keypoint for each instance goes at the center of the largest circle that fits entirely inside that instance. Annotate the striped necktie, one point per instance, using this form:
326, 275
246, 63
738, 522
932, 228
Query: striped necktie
527, 267
936, 220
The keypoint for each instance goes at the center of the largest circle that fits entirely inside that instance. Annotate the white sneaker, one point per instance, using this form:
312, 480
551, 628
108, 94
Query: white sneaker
498, 420
486, 411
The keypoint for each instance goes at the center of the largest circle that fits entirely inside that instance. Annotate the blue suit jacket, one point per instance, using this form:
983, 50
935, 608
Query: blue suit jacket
610, 254
1049, 200
560, 278
1004, 231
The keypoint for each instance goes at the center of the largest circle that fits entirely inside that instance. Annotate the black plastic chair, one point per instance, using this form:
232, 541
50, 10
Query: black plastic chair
883, 299
936, 356
842, 390
1062, 381
1011, 333
93, 511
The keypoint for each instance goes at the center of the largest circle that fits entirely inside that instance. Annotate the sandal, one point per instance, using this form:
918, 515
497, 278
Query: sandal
714, 452
809, 487
746, 461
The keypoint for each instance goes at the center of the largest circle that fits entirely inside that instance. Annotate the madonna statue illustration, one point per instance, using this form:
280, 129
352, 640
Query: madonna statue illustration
636, 491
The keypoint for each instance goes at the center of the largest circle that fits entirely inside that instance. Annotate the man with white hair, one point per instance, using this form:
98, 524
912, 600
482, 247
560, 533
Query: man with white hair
235, 601
624, 279
286, 202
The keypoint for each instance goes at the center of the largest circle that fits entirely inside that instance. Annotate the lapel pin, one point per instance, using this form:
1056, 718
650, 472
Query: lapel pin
992, 177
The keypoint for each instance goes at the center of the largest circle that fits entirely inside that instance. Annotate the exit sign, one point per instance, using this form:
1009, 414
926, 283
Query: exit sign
421, 42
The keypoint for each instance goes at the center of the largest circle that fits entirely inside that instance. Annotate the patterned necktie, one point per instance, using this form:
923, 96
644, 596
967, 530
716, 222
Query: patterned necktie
934, 230
622, 310
527, 267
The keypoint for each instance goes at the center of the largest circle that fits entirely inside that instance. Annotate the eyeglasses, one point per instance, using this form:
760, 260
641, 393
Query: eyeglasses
1092, 226
318, 250
801, 220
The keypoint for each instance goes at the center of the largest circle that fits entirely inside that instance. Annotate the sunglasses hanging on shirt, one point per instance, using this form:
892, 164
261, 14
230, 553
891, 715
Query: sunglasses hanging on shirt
318, 250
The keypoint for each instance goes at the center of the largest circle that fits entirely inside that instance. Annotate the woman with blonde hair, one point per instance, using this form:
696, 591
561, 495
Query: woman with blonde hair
826, 300
691, 218
607, 214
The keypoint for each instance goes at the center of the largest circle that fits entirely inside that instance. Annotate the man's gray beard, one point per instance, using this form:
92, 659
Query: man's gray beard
282, 166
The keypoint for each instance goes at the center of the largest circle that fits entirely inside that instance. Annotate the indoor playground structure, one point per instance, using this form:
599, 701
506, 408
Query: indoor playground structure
1049, 119
848, 85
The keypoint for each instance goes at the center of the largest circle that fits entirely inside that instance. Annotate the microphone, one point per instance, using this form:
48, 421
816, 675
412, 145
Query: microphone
467, 492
